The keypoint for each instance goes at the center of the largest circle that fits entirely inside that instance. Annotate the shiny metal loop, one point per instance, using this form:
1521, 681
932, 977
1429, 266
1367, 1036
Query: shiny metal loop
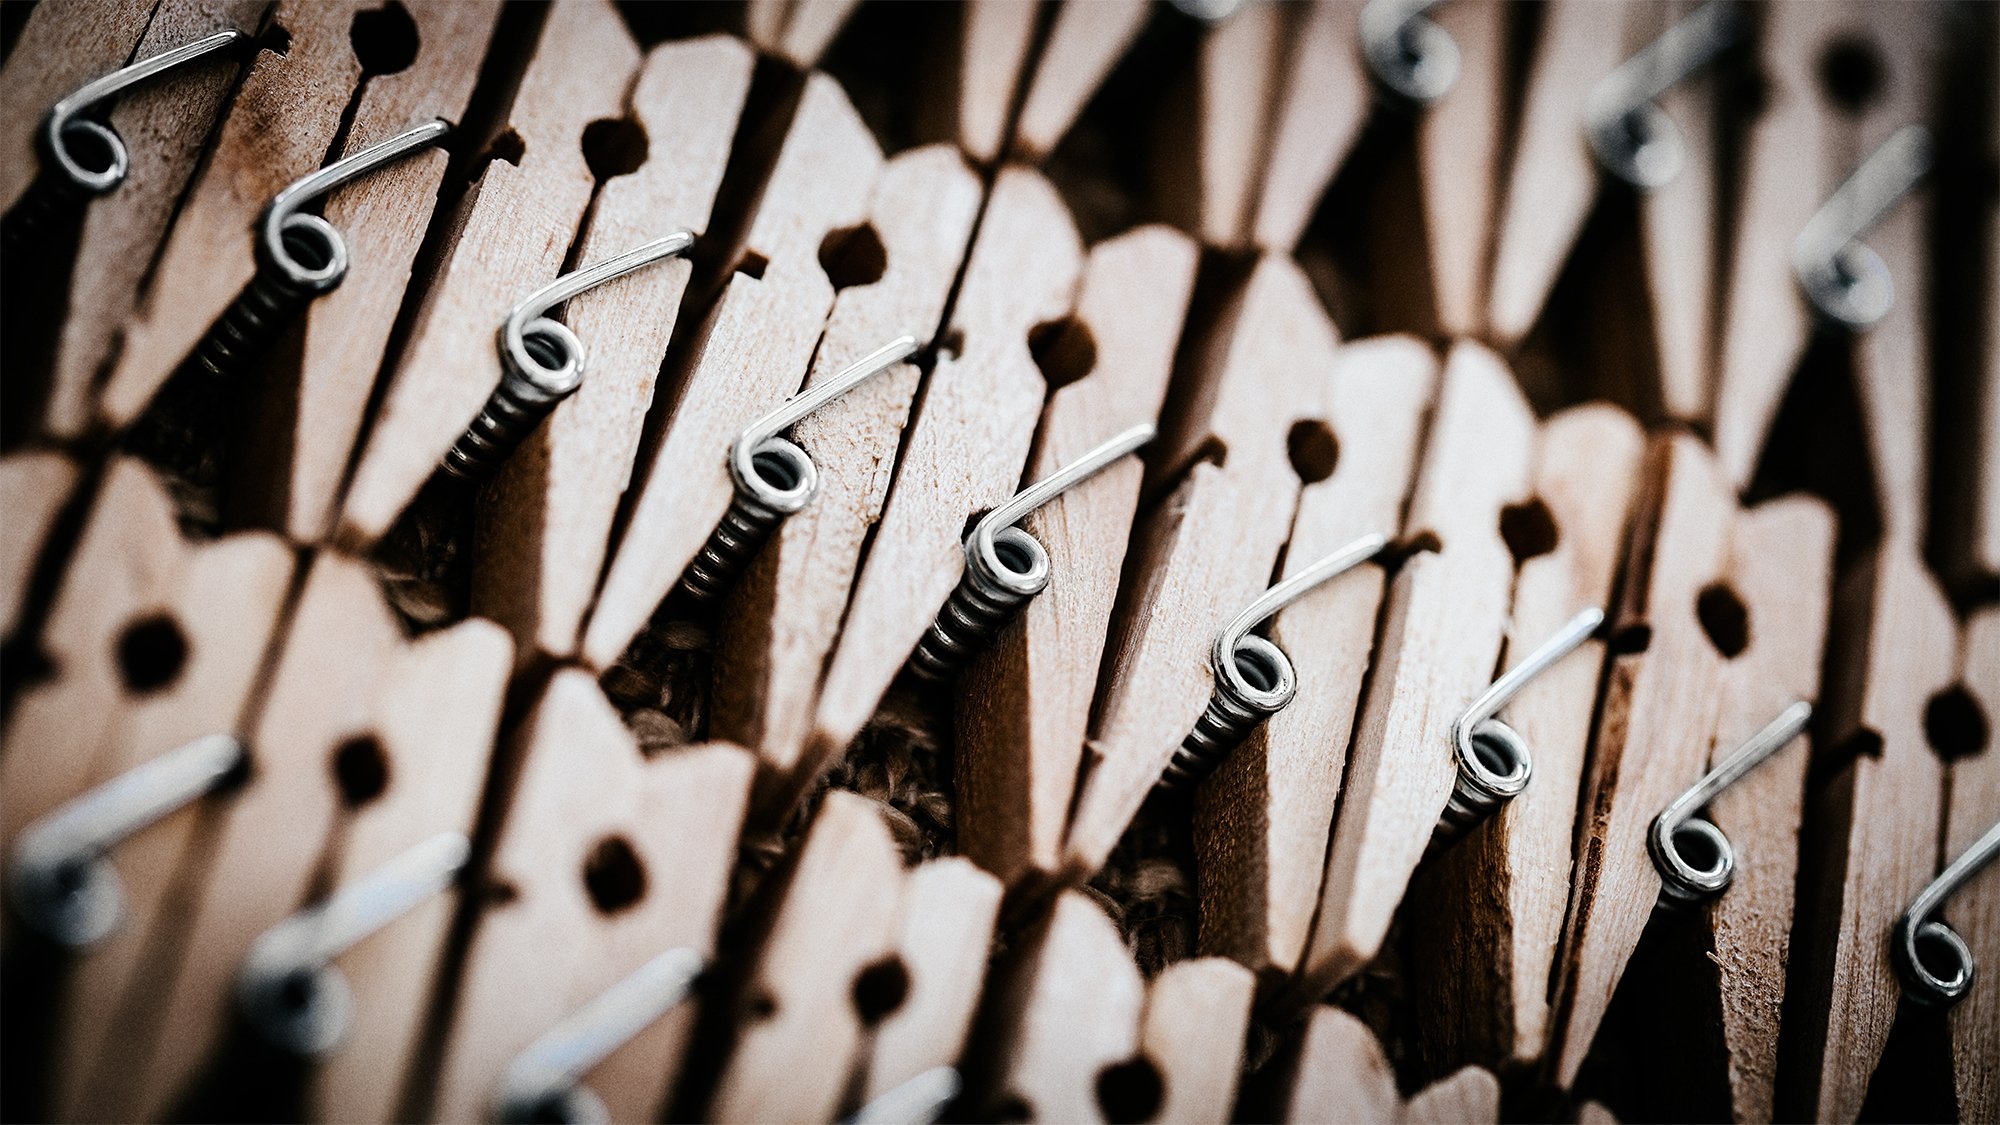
1630, 135
288, 988
1692, 855
1848, 283
1254, 679
1411, 58
1494, 762
544, 1082
312, 257
914, 1101
1207, 11
66, 123
61, 881
1004, 565
1936, 964
775, 478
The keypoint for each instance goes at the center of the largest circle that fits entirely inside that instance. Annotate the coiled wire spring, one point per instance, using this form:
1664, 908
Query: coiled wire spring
1692, 855
1935, 963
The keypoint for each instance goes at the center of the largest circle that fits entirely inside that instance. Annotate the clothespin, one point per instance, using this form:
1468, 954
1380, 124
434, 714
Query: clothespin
35, 486
1339, 1073
544, 525
367, 759
798, 31
1262, 820
1209, 188
994, 41
1973, 807
1196, 1012
519, 222
758, 340
607, 857
1024, 704
921, 997
1324, 105
1084, 44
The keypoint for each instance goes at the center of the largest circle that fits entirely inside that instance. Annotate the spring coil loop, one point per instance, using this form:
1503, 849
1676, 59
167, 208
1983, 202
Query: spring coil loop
1001, 573
783, 480
525, 395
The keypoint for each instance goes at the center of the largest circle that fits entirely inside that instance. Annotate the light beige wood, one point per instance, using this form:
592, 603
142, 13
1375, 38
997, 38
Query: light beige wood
1975, 910
1085, 42
165, 126
1459, 143
516, 225
812, 28
1466, 1096
1236, 75
1262, 820
783, 617
35, 485
1876, 839
1440, 642
345, 672
281, 123
798, 1030
301, 433
1197, 1012
545, 521
1067, 1006
1682, 273
1498, 897
1595, 1113
941, 941
1653, 734
61, 46
1024, 704
995, 38
963, 455
1210, 547
1341, 1074
1319, 114
753, 353
1985, 530
764, 21
546, 948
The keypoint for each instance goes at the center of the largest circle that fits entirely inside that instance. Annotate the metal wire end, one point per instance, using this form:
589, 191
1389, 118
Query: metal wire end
61, 881
1935, 963
1692, 855
773, 477
288, 988
545, 1081
1412, 59
1494, 764
300, 257
1005, 566
83, 158
1847, 282
914, 1101
541, 362
1632, 138
1254, 679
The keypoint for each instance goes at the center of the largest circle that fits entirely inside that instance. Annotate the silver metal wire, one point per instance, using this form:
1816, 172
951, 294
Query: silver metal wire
1692, 855
1254, 679
773, 477
1848, 283
919, 1100
1412, 59
545, 1081
1630, 135
1935, 963
1005, 566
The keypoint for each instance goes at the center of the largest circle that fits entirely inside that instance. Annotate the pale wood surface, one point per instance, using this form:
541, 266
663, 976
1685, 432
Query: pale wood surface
812, 28
942, 938
62, 46
545, 521
1024, 705
1459, 145
753, 354
1466, 1096
1210, 547
515, 227
1440, 642
1235, 76
764, 20
547, 949
1262, 819
1682, 274
1975, 910
1342, 1074
1319, 113
34, 486
1086, 40
1196, 1014
798, 1028
965, 451
783, 617
995, 37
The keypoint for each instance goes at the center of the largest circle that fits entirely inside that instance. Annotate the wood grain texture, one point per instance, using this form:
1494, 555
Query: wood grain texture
544, 525
62, 46
1197, 1012
583, 781
1498, 897
942, 938
1235, 76
1465, 1096
1262, 819
1318, 115
1440, 642
1024, 704
798, 1027
513, 230
1974, 807
965, 450
1210, 547
344, 672
753, 353
994, 41
783, 617
1682, 274
35, 484
1085, 42
1341, 1074
1459, 143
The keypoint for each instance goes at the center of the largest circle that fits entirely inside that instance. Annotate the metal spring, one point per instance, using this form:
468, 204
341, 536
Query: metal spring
1412, 60
1677, 833
1254, 679
50, 204
1005, 566
1630, 135
1934, 962
773, 477
1847, 282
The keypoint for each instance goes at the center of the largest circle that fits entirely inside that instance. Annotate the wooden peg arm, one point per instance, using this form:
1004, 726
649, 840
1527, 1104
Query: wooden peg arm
1975, 910
1325, 102
35, 486
941, 945
1340, 1073
1197, 1012
1084, 45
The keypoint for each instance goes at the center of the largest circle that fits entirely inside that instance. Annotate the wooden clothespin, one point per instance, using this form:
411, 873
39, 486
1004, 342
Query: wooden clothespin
798, 31
68, 45
1197, 1013
963, 455
607, 857
1341, 1074
367, 760
35, 486
544, 525
1025, 704
994, 41
783, 618
1209, 188
756, 344
1973, 808
1323, 106
1085, 41
519, 222
921, 998
1262, 820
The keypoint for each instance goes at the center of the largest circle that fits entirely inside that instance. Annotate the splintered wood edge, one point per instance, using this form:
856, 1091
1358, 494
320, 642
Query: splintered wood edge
1325, 102
1084, 44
